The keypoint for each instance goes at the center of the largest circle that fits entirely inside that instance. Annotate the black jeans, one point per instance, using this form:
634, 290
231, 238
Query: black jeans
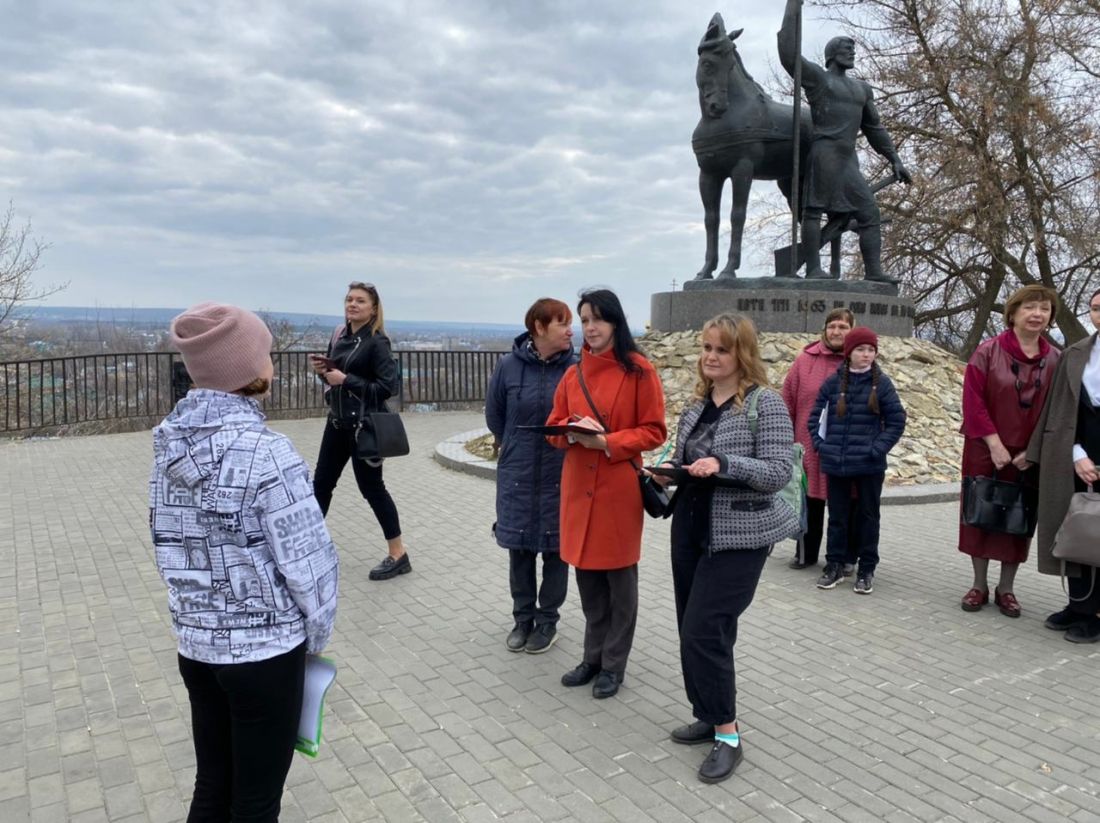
244, 718
609, 600
523, 576
337, 448
809, 547
712, 592
863, 510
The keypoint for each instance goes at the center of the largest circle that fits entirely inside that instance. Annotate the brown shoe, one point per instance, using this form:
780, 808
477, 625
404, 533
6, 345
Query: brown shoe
974, 599
1007, 603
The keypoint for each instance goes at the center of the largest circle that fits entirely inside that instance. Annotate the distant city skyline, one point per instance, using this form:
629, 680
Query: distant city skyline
467, 158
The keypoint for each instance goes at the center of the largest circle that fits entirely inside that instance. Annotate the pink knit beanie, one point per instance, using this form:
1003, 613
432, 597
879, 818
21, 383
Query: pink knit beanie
859, 336
223, 347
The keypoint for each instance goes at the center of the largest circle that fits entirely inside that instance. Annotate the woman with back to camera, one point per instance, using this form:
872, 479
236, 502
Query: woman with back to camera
1004, 389
1066, 445
250, 568
601, 503
361, 375
521, 393
722, 534
815, 363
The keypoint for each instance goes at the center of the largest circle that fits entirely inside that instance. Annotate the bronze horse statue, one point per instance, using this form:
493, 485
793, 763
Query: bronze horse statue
743, 135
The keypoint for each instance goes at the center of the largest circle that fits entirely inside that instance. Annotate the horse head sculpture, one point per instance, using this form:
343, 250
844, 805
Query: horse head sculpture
742, 135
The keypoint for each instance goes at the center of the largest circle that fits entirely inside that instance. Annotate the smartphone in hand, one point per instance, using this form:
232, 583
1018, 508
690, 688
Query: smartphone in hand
327, 362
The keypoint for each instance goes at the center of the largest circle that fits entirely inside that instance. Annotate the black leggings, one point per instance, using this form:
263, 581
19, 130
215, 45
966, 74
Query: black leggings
244, 718
337, 447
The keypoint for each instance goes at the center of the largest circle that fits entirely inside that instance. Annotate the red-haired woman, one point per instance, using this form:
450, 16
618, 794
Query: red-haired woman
521, 393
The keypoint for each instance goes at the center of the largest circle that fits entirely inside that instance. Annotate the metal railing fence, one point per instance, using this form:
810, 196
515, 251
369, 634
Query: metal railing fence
62, 391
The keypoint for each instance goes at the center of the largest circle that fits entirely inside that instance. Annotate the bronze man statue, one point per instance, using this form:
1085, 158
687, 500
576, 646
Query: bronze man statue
841, 107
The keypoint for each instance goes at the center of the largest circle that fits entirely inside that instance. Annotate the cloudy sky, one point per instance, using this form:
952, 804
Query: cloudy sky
466, 156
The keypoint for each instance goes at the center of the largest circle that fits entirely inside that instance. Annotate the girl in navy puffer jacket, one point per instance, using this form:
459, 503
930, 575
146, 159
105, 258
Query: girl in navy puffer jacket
856, 420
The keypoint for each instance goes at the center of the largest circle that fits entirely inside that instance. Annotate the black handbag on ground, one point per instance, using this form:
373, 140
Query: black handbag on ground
1003, 506
379, 435
655, 499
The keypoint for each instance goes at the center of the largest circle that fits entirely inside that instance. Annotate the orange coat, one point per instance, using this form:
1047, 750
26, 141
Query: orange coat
601, 504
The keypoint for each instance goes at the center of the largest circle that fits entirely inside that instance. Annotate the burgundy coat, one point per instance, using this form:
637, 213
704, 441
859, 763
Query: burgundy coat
992, 402
816, 362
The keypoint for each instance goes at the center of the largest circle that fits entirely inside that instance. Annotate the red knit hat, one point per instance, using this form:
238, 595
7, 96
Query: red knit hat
223, 347
859, 336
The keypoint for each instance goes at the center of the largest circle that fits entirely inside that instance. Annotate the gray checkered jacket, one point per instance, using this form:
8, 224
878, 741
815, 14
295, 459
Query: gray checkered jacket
751, 517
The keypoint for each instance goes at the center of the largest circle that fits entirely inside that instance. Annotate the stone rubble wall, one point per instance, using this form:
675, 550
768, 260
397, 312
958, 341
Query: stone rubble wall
928, 379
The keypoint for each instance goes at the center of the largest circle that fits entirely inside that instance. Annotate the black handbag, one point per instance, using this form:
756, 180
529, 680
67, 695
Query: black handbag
379, 435
1003, 506
655, 499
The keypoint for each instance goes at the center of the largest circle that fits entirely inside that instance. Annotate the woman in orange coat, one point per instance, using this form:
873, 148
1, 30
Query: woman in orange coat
601, 503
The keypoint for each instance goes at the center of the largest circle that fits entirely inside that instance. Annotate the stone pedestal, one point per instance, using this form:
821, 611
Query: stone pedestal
780, 304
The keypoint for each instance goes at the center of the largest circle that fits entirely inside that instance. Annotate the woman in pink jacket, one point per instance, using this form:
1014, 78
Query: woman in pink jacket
817, 361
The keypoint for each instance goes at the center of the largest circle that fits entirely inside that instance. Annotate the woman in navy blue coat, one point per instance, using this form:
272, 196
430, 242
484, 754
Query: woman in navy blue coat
521, 393
857, 419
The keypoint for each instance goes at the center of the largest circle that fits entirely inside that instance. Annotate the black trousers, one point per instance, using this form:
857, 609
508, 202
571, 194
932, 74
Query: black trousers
532, 603
609, 600
1084, 592
860, 513
244, 718
712, 592
809, 547
337, 448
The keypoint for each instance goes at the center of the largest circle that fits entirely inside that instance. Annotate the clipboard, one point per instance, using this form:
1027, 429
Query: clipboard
567, 428
680, 476
319, 676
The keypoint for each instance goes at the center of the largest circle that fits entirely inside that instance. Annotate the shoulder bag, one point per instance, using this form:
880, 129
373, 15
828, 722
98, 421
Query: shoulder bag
1077, 538
379, 435
655, 499
1003, 506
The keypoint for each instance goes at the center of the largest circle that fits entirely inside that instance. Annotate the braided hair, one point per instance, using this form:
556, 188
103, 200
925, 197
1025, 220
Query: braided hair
872, 401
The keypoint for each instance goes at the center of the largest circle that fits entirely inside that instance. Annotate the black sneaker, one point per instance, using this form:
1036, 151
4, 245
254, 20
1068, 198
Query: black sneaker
517, 638
865, 583
830, 576
1087, 631
391, 568
541, 639
1065, 619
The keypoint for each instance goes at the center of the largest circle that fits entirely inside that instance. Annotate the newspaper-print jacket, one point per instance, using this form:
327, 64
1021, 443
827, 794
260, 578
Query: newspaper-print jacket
240, 541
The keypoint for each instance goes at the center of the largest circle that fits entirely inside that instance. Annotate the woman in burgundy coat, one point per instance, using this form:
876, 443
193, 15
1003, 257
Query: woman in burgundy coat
814, 364
1004, 389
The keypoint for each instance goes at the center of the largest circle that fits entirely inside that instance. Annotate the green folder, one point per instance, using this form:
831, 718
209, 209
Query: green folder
320, 675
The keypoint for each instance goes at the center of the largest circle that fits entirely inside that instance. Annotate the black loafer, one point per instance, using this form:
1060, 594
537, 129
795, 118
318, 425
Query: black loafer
517, 638
720, 763
607, 684
693, 733
580, 675
391, 568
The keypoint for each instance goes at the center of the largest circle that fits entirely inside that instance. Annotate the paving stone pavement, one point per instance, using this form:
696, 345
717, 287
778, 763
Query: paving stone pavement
897, 706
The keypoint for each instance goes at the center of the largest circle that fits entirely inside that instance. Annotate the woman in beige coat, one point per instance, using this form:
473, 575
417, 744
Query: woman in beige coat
1066, 445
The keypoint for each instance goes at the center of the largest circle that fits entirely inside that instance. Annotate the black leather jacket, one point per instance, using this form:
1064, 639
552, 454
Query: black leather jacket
372, 376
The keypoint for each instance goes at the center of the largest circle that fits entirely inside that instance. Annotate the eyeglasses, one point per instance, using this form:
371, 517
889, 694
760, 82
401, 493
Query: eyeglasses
357, 284
1021, 385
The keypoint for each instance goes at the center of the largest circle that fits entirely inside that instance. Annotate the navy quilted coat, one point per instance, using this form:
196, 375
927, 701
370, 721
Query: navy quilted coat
857, 443
521, 393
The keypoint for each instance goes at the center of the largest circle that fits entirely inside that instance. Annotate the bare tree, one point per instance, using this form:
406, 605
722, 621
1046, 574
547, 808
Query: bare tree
994, 104
20, 256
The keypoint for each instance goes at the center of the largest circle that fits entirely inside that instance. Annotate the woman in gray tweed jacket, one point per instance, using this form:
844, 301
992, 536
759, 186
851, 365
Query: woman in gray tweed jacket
726, 516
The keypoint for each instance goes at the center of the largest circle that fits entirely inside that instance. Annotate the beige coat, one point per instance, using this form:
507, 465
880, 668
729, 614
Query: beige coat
1051, 447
